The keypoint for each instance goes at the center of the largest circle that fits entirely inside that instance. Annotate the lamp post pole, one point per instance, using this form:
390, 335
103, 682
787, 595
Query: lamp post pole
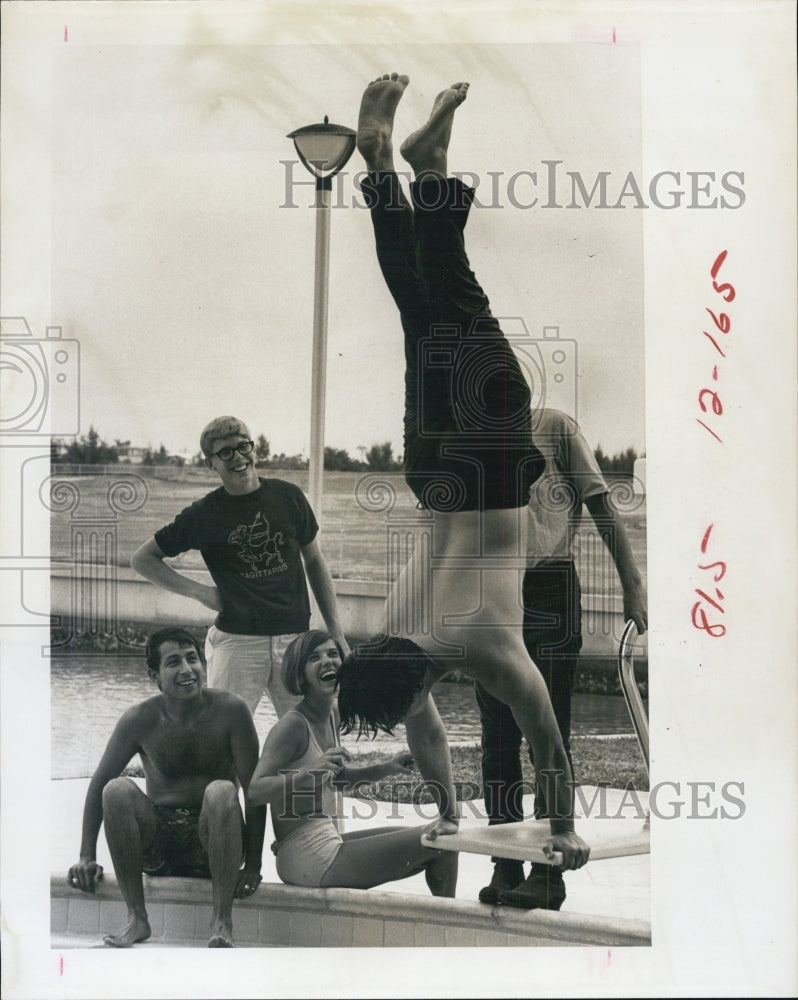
324, 150
318, 385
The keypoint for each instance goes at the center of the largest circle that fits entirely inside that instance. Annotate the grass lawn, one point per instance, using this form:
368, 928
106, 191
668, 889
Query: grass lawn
615, 762
356, 527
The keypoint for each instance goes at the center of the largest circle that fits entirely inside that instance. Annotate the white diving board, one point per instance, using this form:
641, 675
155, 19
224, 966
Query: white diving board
616, 837
608, 838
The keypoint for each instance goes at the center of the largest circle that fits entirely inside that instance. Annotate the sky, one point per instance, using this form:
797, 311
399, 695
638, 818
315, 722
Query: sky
183, 231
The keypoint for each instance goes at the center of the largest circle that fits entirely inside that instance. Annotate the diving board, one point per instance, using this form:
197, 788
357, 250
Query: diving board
616, 837
608, 838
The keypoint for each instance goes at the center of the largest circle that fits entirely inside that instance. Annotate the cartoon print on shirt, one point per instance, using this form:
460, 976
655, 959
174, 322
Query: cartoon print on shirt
258, 546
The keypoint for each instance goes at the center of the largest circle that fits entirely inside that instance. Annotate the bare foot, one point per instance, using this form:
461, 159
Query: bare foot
220, 941
137, 930
375, 124
221, 934
425, 150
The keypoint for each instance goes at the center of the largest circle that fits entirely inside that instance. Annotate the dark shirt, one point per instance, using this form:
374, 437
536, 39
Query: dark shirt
251, 545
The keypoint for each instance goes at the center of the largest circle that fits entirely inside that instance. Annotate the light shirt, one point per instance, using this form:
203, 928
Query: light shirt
570, 476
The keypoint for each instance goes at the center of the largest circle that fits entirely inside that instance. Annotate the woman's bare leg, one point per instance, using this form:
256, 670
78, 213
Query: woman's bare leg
373, 857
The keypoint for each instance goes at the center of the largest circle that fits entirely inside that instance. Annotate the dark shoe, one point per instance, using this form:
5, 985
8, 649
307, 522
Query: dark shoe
506, 875
543, 890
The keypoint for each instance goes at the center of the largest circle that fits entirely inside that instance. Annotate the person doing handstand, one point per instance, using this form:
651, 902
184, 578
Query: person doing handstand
469, 458
302, 773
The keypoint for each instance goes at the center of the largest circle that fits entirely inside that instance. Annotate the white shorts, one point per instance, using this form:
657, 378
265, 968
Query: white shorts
247, 665
305, 855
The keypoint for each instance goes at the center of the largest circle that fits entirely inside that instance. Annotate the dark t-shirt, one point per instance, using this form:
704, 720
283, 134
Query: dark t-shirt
251, 546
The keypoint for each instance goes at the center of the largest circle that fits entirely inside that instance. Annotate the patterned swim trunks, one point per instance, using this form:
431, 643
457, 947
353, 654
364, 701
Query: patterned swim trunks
176, 848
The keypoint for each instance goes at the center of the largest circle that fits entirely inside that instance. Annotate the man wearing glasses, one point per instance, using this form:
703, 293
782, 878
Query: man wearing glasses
258, 540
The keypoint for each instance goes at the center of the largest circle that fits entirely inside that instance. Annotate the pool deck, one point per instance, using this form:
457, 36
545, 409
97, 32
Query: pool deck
608, 901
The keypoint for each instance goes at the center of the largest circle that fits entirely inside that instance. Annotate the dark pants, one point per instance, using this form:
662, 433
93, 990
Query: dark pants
552, 636
467, 440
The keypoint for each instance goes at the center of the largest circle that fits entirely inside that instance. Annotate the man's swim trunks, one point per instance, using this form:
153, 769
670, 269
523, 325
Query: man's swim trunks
176, 848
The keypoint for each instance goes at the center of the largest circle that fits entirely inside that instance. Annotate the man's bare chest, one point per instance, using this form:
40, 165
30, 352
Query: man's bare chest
182, 751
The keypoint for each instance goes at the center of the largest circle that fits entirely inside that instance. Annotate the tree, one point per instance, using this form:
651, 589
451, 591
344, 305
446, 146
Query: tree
621, 464
379, 458
283, 461
262, 449
339, 460
90, 449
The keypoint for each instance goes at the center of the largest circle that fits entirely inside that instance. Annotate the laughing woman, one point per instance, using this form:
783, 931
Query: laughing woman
302, 774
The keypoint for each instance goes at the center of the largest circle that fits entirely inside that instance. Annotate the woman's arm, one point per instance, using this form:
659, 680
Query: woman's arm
401, 763
286, 742
275, 782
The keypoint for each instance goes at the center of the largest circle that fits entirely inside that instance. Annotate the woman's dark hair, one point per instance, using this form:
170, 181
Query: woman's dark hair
171, 634
377, 683
296, 656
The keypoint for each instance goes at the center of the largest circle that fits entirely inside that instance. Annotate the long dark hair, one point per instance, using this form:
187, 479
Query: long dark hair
377, 683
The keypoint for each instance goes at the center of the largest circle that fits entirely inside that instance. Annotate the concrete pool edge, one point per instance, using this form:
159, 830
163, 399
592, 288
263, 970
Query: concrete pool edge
289, 916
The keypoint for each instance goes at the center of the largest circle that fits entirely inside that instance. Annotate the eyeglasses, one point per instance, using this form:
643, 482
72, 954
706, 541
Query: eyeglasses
225, 454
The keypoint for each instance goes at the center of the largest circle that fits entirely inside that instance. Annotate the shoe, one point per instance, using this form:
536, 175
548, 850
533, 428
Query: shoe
542, 890
506, 875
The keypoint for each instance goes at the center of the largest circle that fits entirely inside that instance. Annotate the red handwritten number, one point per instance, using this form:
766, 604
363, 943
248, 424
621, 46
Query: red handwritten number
725, 291
706, 603
722, 323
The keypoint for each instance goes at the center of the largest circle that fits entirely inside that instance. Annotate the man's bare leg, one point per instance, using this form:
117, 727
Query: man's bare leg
375, 123
220, 833
426, 149
129, 821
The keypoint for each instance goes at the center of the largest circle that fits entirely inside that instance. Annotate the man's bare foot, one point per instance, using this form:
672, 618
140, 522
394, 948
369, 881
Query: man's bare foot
425, 150
221, 934
375, 124
138, 929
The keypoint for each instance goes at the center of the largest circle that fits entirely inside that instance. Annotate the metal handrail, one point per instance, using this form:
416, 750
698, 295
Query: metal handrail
626, 673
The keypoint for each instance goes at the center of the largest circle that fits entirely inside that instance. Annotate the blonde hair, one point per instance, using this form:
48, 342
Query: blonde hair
221, 427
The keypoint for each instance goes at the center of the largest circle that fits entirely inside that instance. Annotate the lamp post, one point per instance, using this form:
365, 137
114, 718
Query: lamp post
324, 149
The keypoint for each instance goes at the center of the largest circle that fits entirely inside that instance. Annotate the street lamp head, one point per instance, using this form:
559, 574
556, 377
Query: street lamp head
324, 148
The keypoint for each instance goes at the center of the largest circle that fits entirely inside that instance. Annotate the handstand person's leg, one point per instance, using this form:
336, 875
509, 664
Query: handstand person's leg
129, 820
442, 205
373, 857
391, 215
427, 149
221, 835
487, 389
394, 232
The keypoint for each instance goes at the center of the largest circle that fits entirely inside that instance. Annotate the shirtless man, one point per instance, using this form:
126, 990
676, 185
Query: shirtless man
469, 458
197, 746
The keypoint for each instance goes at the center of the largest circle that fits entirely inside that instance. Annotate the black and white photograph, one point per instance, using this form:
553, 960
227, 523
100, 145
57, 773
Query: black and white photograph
398, 436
